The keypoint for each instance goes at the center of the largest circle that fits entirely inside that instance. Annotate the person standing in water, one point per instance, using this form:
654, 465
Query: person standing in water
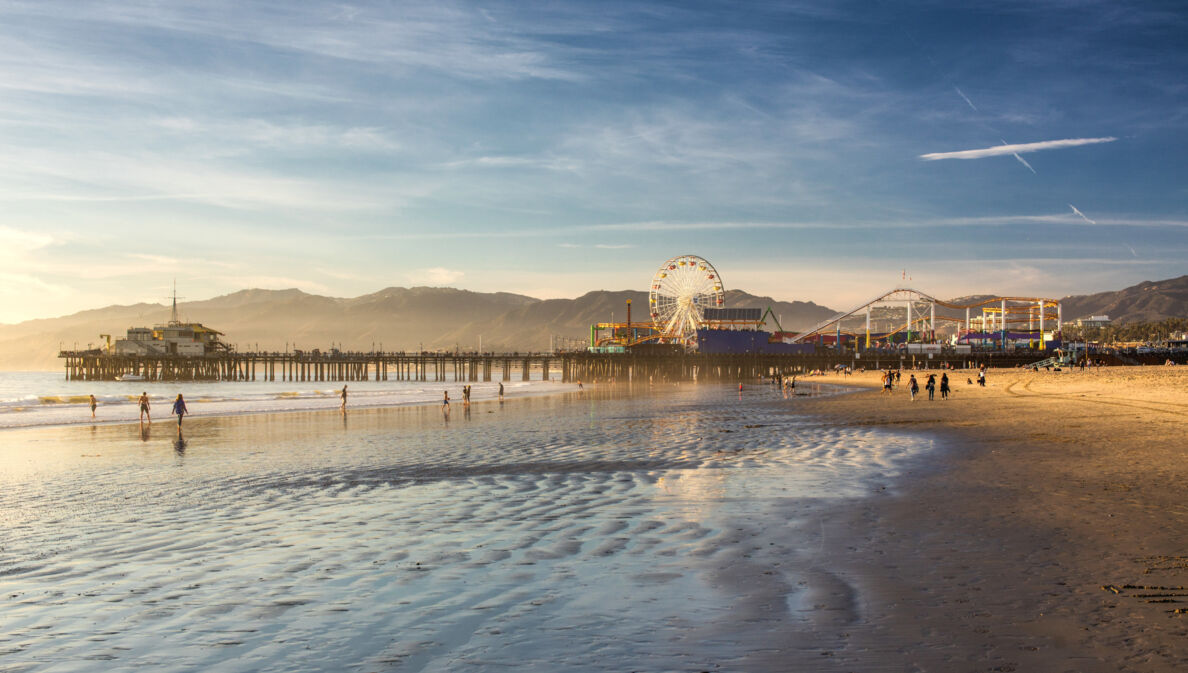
445, 400
94, 403
179, 408
144, 407
501, 391
344, 395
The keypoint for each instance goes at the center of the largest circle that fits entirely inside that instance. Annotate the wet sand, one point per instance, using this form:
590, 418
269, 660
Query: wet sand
1048, 534
678, 528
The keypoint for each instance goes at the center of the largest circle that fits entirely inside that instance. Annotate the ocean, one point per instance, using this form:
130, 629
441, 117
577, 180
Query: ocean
30, 399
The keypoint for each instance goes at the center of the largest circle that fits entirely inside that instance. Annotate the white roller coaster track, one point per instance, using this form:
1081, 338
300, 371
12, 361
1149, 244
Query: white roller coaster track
918, 296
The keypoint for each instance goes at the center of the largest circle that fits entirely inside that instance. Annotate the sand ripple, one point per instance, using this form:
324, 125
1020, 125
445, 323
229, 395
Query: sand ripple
577, 533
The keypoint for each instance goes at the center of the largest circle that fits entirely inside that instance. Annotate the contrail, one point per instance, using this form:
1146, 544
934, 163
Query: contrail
1021, 159
1132, 251
1024, 162
1082, 215
965, 98
1002, 150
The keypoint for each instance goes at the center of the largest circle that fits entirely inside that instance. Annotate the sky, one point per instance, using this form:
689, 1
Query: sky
815, 151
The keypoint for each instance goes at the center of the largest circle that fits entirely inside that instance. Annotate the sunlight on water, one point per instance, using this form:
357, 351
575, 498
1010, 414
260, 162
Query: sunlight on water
514, 535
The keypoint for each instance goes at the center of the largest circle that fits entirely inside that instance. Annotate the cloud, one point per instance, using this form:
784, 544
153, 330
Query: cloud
436, 276
1002, 150
14, 240
544, 163
608, 246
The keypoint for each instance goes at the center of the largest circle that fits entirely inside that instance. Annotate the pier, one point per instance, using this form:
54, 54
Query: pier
334, 366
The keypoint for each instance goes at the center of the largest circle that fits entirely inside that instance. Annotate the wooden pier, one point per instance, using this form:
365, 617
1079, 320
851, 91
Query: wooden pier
335, 366
97, 365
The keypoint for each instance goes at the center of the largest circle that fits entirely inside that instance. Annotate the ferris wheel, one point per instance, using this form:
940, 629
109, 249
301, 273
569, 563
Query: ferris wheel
681, 291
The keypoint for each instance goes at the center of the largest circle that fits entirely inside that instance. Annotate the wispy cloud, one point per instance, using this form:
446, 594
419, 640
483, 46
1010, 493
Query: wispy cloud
545, 163
1023, 148
437, 275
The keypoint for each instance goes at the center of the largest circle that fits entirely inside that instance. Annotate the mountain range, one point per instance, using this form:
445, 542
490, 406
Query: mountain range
394, 318
398, 318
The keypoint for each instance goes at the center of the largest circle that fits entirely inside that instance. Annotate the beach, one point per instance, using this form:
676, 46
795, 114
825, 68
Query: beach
667, 528
1048, 536
675, 527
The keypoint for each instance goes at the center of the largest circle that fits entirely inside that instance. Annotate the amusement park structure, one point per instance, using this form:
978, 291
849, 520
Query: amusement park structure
905, 315
681, 292
685, 311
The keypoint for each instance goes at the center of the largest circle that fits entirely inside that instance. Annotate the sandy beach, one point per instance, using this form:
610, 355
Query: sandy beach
1048, 535
669, 528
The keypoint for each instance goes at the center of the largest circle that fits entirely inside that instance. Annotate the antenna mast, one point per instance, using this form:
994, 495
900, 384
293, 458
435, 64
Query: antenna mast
173, 316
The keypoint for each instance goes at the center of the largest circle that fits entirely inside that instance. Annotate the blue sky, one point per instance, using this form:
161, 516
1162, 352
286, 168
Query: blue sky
554, 148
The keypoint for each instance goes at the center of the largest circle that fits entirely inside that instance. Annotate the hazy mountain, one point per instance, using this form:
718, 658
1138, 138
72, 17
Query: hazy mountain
398, 318
1146, 302
410, 318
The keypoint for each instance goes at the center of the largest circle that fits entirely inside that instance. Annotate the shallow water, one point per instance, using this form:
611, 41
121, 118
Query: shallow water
33, 399
576, 532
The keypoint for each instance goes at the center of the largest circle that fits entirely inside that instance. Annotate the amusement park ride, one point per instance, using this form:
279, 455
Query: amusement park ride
685, 310
1004, 323
681, 291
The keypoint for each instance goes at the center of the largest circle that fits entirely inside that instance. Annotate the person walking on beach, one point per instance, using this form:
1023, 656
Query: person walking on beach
887, 382
913, 386
343, 394
931, 386
445, 400
944, 386
94, 403
982, 376
144, 407
179, 408
501, 391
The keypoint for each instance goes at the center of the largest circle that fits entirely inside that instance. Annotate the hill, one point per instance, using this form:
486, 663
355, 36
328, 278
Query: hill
1146, 302
396, 318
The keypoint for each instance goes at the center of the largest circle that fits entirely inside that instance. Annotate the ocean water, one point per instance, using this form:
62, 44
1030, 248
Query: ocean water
29, 399
594, 531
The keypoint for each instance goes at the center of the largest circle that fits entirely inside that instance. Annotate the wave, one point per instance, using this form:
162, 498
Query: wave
206, 399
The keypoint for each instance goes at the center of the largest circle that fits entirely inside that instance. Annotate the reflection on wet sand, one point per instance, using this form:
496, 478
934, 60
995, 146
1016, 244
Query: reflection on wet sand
519, 538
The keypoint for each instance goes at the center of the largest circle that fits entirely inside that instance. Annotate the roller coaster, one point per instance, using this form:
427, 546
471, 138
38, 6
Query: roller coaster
986, 321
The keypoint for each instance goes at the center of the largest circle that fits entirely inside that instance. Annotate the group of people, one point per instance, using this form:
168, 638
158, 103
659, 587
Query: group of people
445, 397
891, 379
179, 408
179, 405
